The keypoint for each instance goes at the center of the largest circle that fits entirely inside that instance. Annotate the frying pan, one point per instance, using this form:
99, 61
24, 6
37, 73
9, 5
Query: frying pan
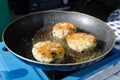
18, 35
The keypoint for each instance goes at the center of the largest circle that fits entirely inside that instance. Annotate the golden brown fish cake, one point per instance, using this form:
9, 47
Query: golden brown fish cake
47, 51
81, 41
62, 29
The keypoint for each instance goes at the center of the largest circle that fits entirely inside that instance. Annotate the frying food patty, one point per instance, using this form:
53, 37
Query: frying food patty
62, 29
81, 41
48, 51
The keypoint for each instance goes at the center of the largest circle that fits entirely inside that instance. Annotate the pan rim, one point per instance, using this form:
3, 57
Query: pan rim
26, 59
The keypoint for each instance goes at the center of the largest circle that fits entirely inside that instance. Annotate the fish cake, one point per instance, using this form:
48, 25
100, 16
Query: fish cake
62, 29
81, 41
48, 51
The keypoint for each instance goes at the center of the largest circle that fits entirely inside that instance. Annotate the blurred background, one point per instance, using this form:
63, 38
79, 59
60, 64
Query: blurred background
98, 8
12, 9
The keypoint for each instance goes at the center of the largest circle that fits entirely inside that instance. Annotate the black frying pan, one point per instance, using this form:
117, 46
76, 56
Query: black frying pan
18, 35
